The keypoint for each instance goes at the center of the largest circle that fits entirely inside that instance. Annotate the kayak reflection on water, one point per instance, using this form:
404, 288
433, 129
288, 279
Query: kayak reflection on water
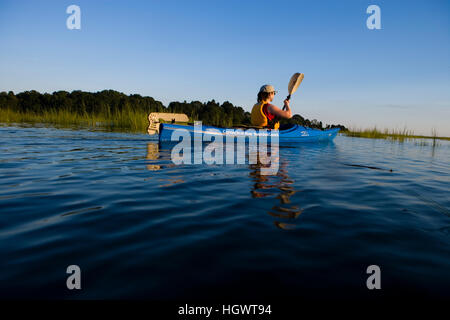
265, 186
230, 150
270, 179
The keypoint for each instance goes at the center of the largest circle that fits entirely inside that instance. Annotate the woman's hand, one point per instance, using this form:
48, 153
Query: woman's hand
286, 103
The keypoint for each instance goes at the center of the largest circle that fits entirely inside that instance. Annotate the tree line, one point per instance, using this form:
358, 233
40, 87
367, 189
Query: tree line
109, 102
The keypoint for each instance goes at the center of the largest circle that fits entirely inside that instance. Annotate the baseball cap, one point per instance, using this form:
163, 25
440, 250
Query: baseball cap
267, 88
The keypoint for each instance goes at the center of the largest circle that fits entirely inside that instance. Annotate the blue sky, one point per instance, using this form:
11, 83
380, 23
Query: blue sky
225, 50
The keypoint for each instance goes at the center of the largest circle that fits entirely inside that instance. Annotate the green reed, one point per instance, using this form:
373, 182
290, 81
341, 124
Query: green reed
127, 119
394, 134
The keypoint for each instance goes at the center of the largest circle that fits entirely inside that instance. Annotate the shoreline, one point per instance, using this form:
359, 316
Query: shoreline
389, 135
123, 125
129, 120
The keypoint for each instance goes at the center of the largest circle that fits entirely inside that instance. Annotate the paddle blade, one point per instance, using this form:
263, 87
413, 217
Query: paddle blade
295, 81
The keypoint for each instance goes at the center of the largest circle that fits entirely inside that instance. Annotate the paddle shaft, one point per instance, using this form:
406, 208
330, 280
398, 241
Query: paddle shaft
287, 98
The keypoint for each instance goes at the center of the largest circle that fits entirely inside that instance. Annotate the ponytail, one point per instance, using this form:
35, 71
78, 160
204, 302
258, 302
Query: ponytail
262, 96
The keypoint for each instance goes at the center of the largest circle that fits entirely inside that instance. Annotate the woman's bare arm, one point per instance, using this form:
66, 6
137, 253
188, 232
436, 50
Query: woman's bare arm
287, 114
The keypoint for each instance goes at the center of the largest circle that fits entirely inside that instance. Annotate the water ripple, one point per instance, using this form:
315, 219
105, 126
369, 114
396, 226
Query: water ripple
141, 226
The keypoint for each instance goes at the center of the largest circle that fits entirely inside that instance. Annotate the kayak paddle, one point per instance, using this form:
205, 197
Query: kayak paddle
295, 81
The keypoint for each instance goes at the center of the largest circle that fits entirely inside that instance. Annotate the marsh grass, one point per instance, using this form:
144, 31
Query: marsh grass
136, 121
399, 135
127, 119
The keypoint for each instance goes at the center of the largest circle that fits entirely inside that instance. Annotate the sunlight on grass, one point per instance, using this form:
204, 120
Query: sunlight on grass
395, 134
126, 119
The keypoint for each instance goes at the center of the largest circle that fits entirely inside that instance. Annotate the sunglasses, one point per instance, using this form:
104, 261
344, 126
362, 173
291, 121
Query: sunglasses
274, 92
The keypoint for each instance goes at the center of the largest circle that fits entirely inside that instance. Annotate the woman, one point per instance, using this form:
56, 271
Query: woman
267, 115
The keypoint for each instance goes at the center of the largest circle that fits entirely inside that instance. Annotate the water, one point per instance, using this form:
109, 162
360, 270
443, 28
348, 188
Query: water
141, 227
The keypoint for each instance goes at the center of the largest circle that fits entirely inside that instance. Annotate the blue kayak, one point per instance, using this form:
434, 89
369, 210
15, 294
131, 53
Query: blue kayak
293, 133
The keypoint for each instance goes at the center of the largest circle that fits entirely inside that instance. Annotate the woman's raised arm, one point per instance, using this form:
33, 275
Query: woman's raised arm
287, 114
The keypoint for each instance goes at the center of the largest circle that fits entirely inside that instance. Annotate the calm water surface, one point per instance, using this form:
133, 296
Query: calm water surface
141, 227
